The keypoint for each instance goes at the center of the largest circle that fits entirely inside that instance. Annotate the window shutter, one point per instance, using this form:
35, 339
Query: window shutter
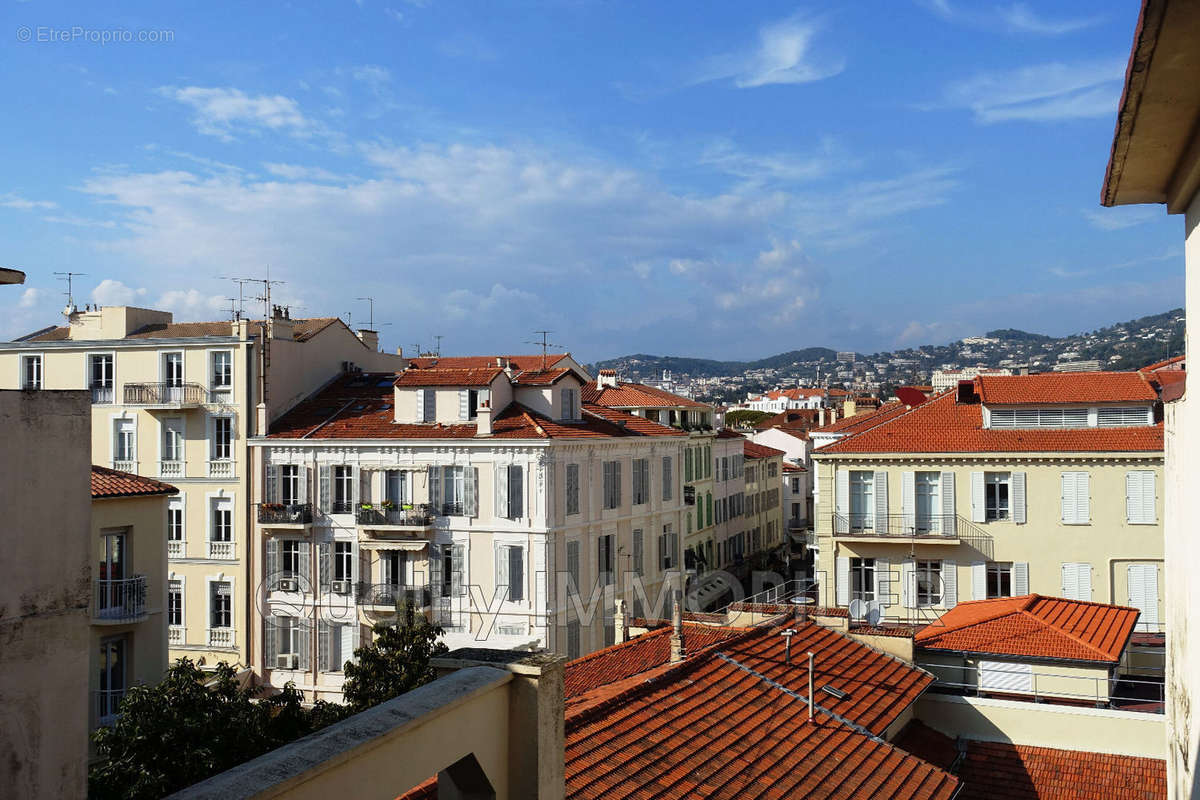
1020, 578
573, 567
349, 639
501, 491
949, 505
1143, 594
435, 570
516, 573
305, 575
464, 403
881, 502
1084, 572
908, 583
1133, 499
458, 584
324, 565
908, 499
501, 569
272, 487
1149, 497
304, 475
272, 561
668, 479
326, 488
841, 501
638, 555
435, 489
949, 584
1070, 584
324, 654
617, 484
979, 580
1077, 581
270, 642
978, 503
516, 491
1018, 497
843, 581
304, 646
471, 492
883, 581
1083, 497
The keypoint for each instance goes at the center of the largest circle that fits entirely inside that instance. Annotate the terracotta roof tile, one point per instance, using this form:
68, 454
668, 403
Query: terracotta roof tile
519, 363
756, 450
302, 330
924, 742
1064, 387
1033, 625
636, 395
109, 483
865, 420
448, 376
1002, 771
945, 426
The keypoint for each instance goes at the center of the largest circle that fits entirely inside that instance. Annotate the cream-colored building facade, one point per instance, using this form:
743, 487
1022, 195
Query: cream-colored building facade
917, 514
764, 498
518, 527
177, 402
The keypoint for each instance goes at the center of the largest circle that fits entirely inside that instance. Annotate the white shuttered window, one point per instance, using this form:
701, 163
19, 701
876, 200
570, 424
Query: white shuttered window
1076, 498
1140, 497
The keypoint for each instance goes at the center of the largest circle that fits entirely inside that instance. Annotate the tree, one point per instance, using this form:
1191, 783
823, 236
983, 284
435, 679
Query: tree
397, 661
745, 416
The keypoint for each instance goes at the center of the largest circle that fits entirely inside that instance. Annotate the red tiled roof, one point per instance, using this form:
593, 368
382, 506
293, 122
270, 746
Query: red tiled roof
789, 467
360, 407
109, 483
756, 450
302, 330
519, 363
636, 395
804, 418
942, 425
924, 742
1033, 625
448, 376
729, 433
1174, 364
865, 420
1064, 387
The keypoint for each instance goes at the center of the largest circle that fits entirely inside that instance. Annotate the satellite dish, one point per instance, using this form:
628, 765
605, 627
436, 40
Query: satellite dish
858, 609
910, 396
874, 612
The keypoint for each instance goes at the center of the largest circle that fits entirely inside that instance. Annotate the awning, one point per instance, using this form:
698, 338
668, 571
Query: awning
375, 544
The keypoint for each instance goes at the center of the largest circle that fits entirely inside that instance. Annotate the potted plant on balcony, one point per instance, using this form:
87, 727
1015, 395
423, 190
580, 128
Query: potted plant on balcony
387, 505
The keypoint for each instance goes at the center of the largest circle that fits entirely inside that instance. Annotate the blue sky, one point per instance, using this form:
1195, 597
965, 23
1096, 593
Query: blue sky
709, 179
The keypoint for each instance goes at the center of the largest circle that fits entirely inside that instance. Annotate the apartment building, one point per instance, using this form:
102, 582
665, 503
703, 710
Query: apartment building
177, 401
1010, 485
764, 498
943, 379
493, 499
130, 606
694, 418
729, 486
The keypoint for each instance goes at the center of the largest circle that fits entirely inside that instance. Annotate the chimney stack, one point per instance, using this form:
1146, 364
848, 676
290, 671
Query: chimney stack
678, 652
620, 623
821, 417
483, 418
606, 377
369, 338
966, 392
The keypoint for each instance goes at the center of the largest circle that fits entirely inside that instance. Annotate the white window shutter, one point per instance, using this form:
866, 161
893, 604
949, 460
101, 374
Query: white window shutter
979, 580
1020, 578
1018, 497
501, 562
435, 489
949, 584
949, 506
1143, 594
1084, 572
978, 504
326, 487
272, 486
908, 499
463, 402
1070, 582
305, 475
908, 583
841, 500
501, 479
881, 502
1149, 497
1133, 499
843, 581
1069, 513
471, 492
421, 405
883, 581
1083, 501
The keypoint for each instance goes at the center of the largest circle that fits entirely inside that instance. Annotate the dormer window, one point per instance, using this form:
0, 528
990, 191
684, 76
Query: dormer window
569, 403
1071, 417
1118, 416
468, 403
426, 405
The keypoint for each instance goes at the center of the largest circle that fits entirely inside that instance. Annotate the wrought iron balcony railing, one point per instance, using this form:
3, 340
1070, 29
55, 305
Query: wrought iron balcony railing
120, 599
285, 514
415, 517
393, 595
932, 527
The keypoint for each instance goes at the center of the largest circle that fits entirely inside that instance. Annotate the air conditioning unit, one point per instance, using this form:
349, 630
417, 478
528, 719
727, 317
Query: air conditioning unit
287, 661
288, 585
340, 587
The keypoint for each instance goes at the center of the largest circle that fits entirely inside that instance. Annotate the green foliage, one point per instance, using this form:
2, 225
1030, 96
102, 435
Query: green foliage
395, 663
745, 416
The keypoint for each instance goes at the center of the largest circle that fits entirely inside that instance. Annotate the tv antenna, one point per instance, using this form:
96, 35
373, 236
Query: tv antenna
371, 312
69, 277
438, 349
545, 345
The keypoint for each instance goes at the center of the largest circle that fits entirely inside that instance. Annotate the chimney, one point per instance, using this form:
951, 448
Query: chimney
821, 417
606, 377
369, 338
483, 418
281, 326
620, 622
678, 652
832, 415
966, 392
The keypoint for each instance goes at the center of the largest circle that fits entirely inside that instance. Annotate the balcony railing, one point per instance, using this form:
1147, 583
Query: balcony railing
932, 527
124, 465
176, 548
176, 635
285, 514
221, 637
341, 507
165, 394
171, 469
107, 704
120, 599
220, 468
415, 517
222, 550
102, 395
393, 595
452, 509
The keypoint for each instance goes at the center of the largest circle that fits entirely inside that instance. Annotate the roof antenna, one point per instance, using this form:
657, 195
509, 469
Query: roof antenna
437, 351
371, 312
70, 293
544, 345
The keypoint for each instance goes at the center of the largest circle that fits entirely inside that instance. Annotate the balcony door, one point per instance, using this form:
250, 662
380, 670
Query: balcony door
173, 377
862, 500
111, 573
112, 678
393, 565
929, 502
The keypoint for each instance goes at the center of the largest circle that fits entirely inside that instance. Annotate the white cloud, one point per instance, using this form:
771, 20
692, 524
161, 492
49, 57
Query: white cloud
79, 222
779, 284
464, 304
375, 77
393, 14
191, 304
1040, 93
115, 293
295, 172
1021, 19
30, 297
11, 200
219, 111
786, 53
1121, 217
783, 167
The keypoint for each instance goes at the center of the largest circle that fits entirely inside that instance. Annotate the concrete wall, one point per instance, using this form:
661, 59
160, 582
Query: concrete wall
44, 634
1129, 733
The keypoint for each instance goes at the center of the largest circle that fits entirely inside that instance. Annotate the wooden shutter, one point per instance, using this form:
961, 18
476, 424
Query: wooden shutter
1076, 499
908, 583
1084, 572
471, 491
464, 403
303, 646
881, 501
435, 569
883, 581
458, 571
1017, 497
617, 484
516, 491
668, 480
1140, 497
435, 489
978, 501
843, 581
1143, 594
908, 499
500, 554
270, 642
573, 567
324, 565
305, 575
949, 506
326, 488
324, 654
638, 552
979, 580
501, 477
841, 500
949, 584
1133, 500
1068, 498
516, 573
272, 561
1083, 497
272, 487
303, 476
1020, 578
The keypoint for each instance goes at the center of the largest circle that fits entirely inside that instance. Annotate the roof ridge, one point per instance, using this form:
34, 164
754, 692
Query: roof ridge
1063, 632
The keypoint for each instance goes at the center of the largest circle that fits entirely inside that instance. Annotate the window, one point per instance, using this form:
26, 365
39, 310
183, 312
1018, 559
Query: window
1140, 497
175, 603
31, 372
222, 521
220, 604
222, 371
604, 559
862, 499
173, 369
426, 405
639, 558
999, 579
124, 446
573, 639
175, 519
668, 545
100, 377
996, 492
510, 571
289, 484
928, 496
343, 561
688, 472
468, 404
112, 677
289, 558
667, 480
343, 489
708, 502
397, 487
612, 484
772, 469
641, 481
222, 443
1121, 416
929, 583
510, 502
393, 566
287, 633
1038, 418
172, 444
570, 403
1076, 498
573, 567
862, 579
572, 488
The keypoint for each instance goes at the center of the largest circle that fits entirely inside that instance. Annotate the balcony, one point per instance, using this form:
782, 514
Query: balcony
165, 395
119, 600
106, 704
171, 469
125, 465
285, 515
947, 529
221, 468
221, 637
222, 550
392, 596
387, 518
176, 635
176, 548
102, 395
